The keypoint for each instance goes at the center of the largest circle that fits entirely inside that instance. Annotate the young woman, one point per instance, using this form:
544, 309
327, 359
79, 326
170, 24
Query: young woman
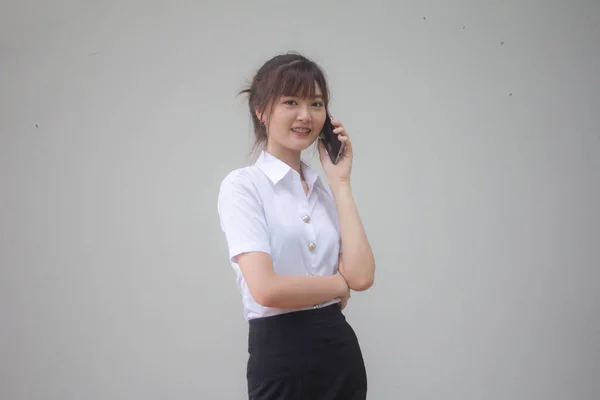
296, 244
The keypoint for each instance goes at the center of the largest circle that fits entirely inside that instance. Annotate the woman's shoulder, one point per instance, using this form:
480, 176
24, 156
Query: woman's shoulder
240, 177
239, 194
244, 181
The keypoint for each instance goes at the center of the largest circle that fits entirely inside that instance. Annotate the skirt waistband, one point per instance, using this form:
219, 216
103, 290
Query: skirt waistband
298, 331
329, 313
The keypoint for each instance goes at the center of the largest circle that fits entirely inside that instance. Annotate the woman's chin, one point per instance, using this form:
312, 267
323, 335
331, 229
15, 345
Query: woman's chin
301, 146
301, 142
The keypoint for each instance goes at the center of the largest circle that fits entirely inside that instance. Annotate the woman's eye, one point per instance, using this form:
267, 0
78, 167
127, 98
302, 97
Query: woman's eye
291, 102
318, 104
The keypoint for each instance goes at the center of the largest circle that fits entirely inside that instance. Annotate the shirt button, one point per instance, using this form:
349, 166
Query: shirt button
306, 219
312, 246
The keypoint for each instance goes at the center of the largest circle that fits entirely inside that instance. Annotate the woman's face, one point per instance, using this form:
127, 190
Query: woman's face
295, 123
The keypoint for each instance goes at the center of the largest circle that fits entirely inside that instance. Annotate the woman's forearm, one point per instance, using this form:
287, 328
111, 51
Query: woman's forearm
270, 289
286, 291
357, 257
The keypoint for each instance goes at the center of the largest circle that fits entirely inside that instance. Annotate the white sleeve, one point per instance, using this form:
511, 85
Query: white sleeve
242, 216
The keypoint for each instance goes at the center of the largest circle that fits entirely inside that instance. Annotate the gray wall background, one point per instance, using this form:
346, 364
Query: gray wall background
477, 173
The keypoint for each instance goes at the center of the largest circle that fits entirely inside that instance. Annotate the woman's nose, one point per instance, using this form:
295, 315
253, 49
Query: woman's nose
303, 114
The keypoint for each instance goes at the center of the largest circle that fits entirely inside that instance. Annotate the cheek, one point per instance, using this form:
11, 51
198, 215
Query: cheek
278, 123
284, 120
319, 121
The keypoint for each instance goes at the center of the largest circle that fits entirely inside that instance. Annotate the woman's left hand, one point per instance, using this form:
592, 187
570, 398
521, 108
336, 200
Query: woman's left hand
339, 172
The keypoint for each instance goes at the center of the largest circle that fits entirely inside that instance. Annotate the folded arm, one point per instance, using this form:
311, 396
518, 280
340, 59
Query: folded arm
285, 291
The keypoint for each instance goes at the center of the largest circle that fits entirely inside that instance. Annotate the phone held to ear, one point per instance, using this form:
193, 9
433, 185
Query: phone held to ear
333, 145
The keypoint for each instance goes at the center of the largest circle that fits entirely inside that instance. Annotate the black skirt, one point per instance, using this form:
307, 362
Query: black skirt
305, 355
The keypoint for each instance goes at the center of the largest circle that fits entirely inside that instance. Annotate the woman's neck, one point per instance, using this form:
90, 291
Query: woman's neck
291, 158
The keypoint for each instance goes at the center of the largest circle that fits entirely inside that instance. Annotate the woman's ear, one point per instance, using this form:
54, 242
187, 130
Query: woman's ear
260, 116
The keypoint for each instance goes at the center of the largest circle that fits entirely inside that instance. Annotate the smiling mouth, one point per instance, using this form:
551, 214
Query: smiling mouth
301, 131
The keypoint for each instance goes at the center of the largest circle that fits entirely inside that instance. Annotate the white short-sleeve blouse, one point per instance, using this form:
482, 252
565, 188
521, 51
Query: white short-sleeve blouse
264, 208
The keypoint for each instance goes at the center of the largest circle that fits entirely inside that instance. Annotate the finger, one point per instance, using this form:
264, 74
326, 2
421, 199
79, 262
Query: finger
341, 131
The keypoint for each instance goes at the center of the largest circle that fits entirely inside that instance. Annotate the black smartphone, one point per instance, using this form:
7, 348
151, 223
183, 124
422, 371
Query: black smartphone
333, 145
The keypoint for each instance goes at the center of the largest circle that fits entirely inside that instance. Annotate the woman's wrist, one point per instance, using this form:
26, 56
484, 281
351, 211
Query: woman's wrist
339, 185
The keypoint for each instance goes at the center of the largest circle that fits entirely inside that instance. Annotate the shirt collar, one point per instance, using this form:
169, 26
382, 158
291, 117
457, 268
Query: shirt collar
276, 170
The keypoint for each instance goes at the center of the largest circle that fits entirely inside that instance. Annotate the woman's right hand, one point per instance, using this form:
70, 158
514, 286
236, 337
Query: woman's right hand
344, 301
345, 293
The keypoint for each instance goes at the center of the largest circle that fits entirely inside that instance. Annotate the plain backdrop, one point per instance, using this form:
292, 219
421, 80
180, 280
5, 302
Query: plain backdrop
476, 131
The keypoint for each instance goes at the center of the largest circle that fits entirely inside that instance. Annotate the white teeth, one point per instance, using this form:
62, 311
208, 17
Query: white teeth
300, 130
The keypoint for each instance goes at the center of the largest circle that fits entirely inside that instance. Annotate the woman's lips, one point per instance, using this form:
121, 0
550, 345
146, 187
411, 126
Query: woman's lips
301, 131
